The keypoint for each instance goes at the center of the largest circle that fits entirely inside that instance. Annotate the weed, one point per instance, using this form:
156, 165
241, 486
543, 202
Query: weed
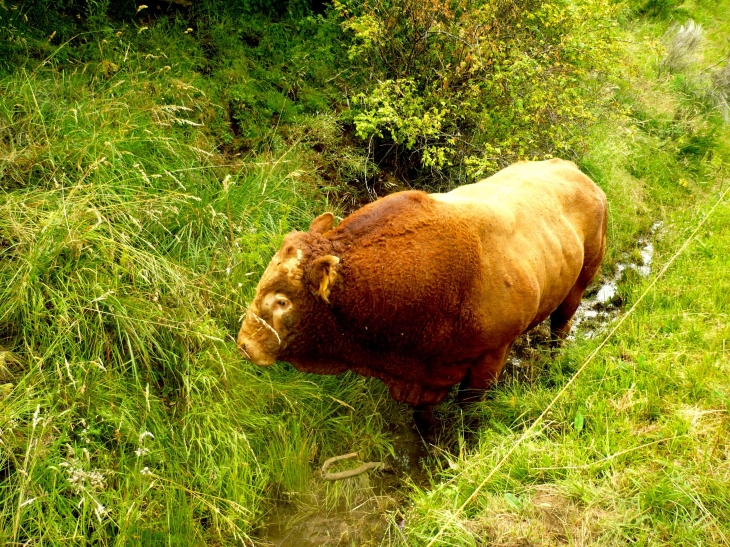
682, 43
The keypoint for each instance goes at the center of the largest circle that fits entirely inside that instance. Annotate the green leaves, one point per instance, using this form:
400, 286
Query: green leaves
453, 83
515, 502
578, 421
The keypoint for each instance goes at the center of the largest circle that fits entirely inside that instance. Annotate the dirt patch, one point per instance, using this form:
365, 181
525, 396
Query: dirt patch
358, 527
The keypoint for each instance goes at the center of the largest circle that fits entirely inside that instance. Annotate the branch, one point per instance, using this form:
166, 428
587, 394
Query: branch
350, 472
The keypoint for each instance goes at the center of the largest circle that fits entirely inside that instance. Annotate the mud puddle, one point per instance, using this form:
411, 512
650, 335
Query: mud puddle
595, 312
359, 518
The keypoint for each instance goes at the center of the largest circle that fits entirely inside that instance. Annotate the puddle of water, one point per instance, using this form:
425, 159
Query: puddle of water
318, 529
293, 526
601, 309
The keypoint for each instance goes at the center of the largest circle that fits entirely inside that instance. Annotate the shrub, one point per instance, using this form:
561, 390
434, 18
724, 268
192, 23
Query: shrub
466, 86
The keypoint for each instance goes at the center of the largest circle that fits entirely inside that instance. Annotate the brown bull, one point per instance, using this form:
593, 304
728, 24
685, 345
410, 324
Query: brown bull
424, 291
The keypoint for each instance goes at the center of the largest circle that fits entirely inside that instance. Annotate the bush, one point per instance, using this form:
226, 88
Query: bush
468, 87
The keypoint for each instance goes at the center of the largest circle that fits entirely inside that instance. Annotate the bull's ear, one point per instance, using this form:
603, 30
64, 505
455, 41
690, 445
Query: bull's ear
323, 223
324, 274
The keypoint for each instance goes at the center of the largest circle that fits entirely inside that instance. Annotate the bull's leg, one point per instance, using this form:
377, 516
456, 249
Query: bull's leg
560, 319
483, 375
424, 419
595, 248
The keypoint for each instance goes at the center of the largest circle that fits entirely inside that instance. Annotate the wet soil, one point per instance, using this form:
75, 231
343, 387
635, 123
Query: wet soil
367, 523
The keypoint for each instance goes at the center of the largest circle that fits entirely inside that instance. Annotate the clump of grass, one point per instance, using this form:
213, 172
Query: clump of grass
682, 43
720, 90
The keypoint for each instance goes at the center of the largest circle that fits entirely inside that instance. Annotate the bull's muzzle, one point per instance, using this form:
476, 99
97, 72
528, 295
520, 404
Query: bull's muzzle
253, 352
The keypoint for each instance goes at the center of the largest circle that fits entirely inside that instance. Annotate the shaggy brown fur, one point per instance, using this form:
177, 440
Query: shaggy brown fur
424, 291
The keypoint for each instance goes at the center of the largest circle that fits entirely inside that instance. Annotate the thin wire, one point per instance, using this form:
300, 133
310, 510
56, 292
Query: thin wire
539, 419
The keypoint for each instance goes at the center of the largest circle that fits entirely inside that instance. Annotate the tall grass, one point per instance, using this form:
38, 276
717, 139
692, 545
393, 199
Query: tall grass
128, 250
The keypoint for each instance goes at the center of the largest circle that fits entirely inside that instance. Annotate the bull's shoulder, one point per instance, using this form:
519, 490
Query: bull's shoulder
382, 215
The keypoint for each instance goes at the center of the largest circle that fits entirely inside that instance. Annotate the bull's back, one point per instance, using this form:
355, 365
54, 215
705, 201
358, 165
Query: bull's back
532, 201
532, 194
538, 222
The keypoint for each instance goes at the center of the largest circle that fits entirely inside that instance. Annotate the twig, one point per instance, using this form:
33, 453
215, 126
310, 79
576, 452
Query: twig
350, 472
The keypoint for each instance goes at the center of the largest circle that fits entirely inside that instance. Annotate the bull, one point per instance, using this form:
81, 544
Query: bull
426, 291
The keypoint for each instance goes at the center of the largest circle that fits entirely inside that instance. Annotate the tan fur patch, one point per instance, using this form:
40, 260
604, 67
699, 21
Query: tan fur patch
326, 269
292, 267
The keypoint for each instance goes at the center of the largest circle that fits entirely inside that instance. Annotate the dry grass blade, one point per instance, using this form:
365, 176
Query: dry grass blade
682, 43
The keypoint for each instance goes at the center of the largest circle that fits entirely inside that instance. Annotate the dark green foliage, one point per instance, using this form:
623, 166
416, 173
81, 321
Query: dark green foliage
432, 91
271, 75
655, 8
462, 89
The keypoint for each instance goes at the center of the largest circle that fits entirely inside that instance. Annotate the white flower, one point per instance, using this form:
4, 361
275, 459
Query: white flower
144, 435
79, 479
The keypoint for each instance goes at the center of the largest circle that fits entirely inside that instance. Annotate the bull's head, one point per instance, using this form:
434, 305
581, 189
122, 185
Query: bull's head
297, 276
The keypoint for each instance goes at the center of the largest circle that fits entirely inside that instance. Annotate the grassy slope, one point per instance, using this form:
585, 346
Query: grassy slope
129, 248
636, 451
130, 245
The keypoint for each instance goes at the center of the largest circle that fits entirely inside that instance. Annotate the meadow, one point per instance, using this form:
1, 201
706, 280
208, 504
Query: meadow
151, 161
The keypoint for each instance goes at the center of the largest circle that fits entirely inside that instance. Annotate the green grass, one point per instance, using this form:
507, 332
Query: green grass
129, 248
146, 178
